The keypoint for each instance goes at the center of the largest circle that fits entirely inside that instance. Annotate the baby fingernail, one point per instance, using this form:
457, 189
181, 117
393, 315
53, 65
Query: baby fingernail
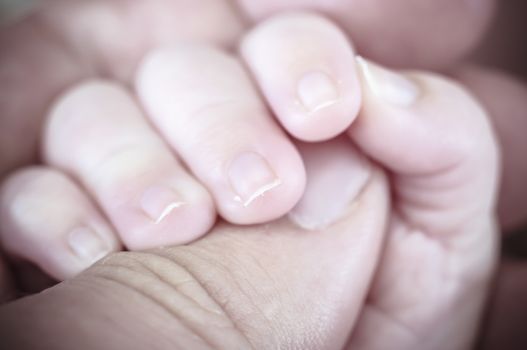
251, 176
335, 177
388, 85
87, 245
159, 202
316, 90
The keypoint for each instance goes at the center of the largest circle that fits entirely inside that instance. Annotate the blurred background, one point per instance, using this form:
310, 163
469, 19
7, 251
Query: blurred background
505, 45
10, 9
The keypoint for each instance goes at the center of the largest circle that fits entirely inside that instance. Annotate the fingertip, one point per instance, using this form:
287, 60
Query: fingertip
399, 33
47, 220
176, 214
301, 63
263, 195
417, 121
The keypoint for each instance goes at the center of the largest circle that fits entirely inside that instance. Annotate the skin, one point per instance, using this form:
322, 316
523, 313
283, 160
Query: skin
48, 41
234, 279
120, 194
433, 34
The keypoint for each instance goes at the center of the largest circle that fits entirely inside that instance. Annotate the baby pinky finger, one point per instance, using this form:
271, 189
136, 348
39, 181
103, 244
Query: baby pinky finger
47, 219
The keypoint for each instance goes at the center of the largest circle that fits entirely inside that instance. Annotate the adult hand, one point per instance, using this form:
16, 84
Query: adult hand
264, 287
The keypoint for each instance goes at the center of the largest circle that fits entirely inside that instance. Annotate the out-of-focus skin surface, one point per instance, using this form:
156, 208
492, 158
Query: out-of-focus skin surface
503, 91
399, 33
505, 97
504, 46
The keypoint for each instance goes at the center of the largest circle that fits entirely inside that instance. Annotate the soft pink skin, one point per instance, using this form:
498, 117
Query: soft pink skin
60, 45
505, 98
67, 42
50, 67
30, 193
205, 106
315, 45
98, 135
238, 286
30, 123
241, 286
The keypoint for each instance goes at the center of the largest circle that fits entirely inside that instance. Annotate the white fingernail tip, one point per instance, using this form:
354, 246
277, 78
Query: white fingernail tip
159, 202
316, 91
168, 210
251, 177
258, 193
